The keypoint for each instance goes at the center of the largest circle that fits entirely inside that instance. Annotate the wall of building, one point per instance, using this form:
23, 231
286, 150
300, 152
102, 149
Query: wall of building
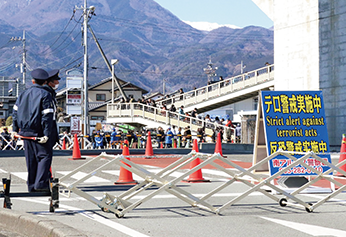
296, 46
332, 66
310, 53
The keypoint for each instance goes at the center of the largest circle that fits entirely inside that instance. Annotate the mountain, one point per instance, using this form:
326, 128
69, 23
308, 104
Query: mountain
151, 43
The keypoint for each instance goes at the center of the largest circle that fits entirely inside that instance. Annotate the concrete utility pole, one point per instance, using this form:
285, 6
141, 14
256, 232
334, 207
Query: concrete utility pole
85, 75
210, 70
110, 68
242, 67
86, 12
23, 64
24, 59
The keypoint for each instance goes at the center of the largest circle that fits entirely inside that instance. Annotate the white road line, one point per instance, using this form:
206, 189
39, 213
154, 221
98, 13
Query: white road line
313, 230
162, 196
22, 175
95, 217
80, 175
3, 171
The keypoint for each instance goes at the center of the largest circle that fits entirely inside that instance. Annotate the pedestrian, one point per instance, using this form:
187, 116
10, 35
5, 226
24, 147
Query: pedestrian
221, 81
181, 111
160, 136
187, 137
114, 138
200, 135
98, 140
169, 137
238, 133
33, 117
93, 135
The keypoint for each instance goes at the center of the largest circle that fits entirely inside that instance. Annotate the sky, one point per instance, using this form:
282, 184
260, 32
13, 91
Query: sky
235, 13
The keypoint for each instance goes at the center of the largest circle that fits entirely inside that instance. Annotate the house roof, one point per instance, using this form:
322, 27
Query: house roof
108, 79
102, 82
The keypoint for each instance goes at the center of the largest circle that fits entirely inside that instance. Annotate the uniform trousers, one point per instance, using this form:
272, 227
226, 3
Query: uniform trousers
38, 161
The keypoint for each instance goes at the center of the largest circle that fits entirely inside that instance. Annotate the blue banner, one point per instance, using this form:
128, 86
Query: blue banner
295, 121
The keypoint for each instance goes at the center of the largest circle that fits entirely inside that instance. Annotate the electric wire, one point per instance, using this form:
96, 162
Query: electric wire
56, 40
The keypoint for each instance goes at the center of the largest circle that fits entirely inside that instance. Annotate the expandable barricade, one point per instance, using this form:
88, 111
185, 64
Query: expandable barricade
125, 202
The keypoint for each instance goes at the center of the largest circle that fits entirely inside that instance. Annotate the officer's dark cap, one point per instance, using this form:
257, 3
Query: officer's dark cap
39, 74
54, 74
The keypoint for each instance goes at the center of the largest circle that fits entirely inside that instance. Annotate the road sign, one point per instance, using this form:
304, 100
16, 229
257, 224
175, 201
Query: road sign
74, 78
75, 125
74, 97
294, 121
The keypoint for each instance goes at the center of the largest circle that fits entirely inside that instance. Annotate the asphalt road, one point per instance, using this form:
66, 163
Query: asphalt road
166, 215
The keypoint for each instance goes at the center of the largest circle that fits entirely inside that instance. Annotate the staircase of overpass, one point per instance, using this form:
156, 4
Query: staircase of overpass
216, 95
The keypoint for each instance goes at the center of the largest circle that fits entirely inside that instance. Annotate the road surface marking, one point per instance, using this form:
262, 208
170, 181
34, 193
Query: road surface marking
95, 217
313, 230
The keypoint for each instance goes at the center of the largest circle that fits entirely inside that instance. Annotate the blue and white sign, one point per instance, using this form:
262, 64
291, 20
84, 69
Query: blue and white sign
295, 121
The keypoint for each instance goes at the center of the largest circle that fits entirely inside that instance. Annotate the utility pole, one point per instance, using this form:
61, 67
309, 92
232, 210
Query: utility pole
110, 68
24, 58
23, 64
86, 12
210, 70
242, 66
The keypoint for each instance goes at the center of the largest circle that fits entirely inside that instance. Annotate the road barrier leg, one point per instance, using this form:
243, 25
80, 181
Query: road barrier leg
6, 185
54, 199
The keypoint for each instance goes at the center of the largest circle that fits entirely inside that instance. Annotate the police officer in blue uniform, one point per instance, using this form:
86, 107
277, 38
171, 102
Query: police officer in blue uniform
33, 117
51, 86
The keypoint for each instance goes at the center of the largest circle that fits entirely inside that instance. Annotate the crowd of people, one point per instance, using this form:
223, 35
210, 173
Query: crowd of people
161, 138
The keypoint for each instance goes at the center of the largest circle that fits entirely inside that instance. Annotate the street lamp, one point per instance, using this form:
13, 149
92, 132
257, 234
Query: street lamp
113, 62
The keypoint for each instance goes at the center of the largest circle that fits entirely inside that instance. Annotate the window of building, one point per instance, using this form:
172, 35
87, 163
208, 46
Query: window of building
100, 97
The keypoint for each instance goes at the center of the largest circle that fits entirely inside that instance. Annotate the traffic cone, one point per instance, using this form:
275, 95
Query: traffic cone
197, 176
125, 176
218, 146
342, 154
63, 144
76, 151
149, 147
161, 145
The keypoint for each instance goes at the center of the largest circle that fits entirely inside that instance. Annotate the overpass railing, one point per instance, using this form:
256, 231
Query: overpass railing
221, 87
132, 111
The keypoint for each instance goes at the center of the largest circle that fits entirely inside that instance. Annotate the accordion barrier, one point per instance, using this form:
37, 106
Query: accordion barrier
156, 183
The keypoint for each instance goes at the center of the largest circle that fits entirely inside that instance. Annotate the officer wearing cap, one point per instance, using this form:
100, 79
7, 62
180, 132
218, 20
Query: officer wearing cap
51, 86
33, 117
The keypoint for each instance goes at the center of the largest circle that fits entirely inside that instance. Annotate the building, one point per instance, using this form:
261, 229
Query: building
310, 53
100, 94
9, 89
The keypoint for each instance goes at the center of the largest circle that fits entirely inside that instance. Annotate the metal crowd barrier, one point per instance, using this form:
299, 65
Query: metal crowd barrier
8, 143
256, 182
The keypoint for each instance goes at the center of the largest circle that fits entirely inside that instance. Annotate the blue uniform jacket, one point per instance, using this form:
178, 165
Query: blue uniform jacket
54, 136
114, 137
99, 140
169, 137
33, 112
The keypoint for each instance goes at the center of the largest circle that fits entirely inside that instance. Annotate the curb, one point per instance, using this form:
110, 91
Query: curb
33, 226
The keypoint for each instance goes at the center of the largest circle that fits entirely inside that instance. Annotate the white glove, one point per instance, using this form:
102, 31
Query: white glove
13, 135
42, 139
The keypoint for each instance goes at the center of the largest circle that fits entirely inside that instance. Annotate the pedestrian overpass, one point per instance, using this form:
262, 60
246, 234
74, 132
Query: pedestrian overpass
216, 95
